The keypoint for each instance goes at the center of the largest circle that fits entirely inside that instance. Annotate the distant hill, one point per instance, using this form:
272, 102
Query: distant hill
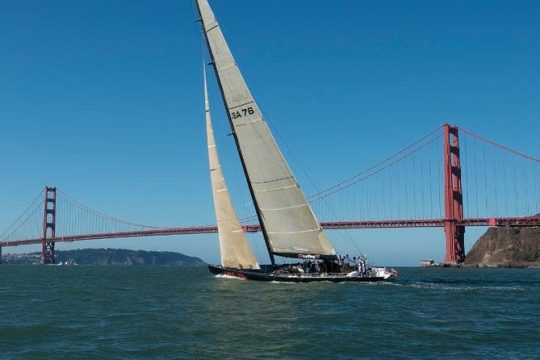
110, 257
506, 247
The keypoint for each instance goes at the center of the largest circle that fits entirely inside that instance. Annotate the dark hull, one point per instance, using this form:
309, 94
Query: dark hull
266, 276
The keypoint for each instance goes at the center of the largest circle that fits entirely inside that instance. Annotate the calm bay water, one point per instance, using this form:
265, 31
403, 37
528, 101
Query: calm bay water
63, 312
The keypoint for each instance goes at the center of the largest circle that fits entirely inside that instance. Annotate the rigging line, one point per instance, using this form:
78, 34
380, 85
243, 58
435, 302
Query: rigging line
351, 178
285, 166
343, 234
247, 204
274, 128
198, 29
257, 249
204, 54
268, 117
325, 203
513, 151
23, 213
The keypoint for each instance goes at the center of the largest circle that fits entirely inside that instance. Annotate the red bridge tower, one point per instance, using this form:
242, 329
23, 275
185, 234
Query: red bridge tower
453, 198
49, 226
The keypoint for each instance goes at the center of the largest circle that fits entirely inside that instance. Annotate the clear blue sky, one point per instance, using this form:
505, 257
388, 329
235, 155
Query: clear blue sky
103, 99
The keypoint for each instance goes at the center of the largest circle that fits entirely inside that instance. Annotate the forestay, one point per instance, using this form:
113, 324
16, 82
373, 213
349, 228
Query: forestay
287, 220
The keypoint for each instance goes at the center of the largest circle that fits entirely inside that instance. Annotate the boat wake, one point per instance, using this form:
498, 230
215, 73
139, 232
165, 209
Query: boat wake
285, 282
458, 287
450, 287
225, 276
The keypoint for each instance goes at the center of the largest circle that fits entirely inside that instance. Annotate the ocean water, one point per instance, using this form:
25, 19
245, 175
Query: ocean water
150, 312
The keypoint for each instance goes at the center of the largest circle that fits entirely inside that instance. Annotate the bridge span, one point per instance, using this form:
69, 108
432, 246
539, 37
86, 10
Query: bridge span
476, 182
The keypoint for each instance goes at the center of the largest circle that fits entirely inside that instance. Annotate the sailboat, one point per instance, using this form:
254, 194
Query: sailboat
289, 226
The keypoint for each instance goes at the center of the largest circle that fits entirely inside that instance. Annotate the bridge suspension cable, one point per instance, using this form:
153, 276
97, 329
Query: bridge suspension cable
498, 181
77, 218
28, 224
399, 187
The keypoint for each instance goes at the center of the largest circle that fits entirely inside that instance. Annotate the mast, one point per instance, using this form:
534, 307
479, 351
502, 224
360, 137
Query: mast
234, 247
238, 148
289, 225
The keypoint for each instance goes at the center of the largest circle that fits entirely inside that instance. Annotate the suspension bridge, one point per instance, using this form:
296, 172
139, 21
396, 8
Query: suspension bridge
451, 178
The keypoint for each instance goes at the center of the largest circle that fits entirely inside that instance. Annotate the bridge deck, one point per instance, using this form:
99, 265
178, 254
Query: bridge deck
336, 225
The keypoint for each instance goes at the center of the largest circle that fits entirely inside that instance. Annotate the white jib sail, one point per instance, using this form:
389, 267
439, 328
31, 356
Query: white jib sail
233, 244
288, 221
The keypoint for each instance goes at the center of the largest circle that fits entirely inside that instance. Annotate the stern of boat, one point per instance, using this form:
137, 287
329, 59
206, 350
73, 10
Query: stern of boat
385, 272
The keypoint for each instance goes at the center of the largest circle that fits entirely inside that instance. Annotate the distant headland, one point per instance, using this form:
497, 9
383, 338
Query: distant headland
105, 257
506, 247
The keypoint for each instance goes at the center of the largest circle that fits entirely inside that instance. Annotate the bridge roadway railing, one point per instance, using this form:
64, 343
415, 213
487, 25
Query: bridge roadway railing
335, 225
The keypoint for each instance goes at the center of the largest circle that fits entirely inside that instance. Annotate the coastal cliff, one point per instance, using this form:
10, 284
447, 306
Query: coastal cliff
506, 247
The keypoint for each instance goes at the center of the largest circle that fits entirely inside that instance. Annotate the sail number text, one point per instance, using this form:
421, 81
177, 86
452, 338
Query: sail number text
242, 112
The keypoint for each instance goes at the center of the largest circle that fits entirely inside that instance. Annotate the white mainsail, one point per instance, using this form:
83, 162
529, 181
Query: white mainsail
233, 244
288, 223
